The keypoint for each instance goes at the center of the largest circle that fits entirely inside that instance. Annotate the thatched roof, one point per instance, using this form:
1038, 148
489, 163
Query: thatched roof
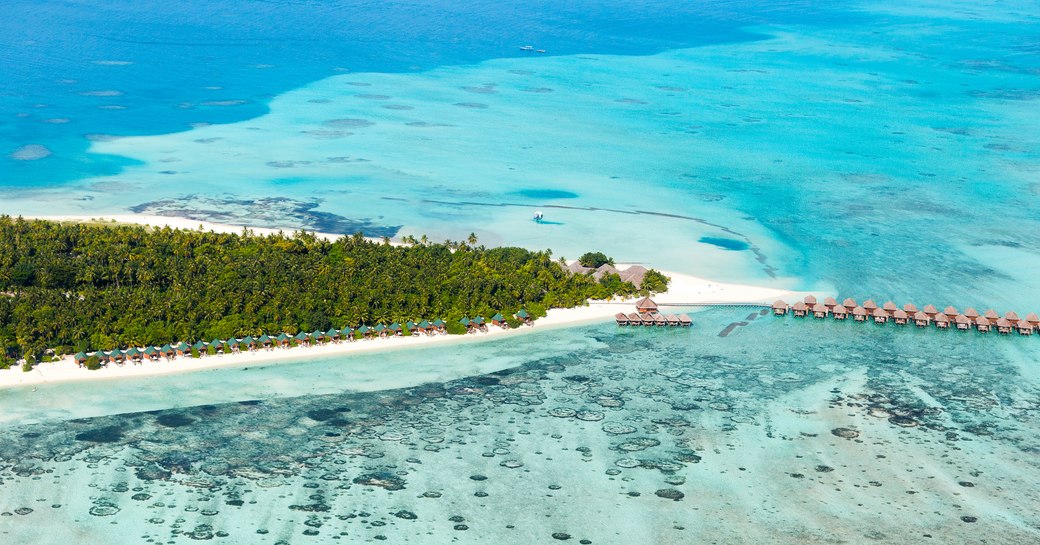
830, 302
921, 316
859, 311
646, 303
930, 309
577, 268
1022, 324
819, 307
910, 308
809, 300
634, 274
889, 306
849, 303
971, 313
1032, 317
900, 315
779, 305
1012, 316
685, 319
839, 309
1003, 322
962, 319
880, 313
950, 311
941, 318
870, 305
982, 320
799, 306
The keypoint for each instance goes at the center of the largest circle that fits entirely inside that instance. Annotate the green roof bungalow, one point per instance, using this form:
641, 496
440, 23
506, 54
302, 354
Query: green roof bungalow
395, 328
265, 340
201, 347
101, 356
249, 342
168, 351
424, 327
380, 329
523, 316
80, 358
283, 340
218, 345
347, 333
116, 355
498, 319
465, 321
182, 348
411, 326
133, 354
318, 336
233, 345
439, 325
151, 353
365, 331
303, 338
332, 335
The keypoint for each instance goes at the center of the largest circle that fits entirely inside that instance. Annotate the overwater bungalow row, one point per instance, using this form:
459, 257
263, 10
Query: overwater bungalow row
927, 316
653, 319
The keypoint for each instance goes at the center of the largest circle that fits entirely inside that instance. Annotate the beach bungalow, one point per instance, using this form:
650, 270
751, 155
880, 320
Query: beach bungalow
621, 318
951, 313
870, 306
859, 314
839, 312
318, 337
265, 341
102, 357
366, 332
151, 353
931, 311
233, 345
659, 320
347, 334
921, 319
799, 309
183, 349
849, 304
523, 316
499, 320
810, 301
303, 339
830, 303
1025, 328
646, 305
890, 308
982, 324
395, 329
168, 351
941, 321
218, 345
900, 317
334, 335
468, 324
201, 347
779, 308
80, 358
480, 323
443, 327
910, 309
634, 274
424, 327
880, 316
685, 320
819, 311
380, 330
283, 340
963, 323
1003, 326
1012, 316
248, 342
971, 313
134, 354
672, 320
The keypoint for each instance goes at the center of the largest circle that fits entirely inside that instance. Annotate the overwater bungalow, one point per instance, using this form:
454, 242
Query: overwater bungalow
522, 316
830, 303
1012, 316
80, 358
870, 306
971, 313
621, 318
900, 317
1024, 327
931, 311
634, 319
859, 314
849, 304
982, 324
962, 322
921, 319
992, 315
880, 316
659, 320
646, 305
951, 313
799, 310
672, 320
890, 308
839, 312
910, 309
941, 321
810, 301
1033, 319
685, 320
779, 308
1003, 326
819, 311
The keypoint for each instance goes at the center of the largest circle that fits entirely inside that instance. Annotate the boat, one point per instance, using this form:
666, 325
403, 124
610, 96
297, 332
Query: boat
540, 51
527, 48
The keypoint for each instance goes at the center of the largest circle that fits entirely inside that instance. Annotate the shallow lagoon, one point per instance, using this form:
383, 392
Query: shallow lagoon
888, 434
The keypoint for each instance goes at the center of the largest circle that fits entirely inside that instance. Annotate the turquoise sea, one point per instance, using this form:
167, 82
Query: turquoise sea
875, 149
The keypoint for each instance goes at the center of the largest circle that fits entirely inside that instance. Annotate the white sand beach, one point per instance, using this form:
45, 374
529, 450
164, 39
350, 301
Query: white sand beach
683, 290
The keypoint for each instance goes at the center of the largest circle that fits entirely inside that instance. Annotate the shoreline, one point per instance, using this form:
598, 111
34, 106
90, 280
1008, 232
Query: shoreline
683, 289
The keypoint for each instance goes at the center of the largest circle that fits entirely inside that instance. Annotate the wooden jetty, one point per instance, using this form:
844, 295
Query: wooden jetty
925, 317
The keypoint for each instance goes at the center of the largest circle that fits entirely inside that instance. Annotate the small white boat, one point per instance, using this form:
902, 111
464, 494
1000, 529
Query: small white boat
527, 48
540, 51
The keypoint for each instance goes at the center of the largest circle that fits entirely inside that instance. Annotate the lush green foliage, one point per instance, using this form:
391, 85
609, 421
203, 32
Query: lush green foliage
82, 287
595, 260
